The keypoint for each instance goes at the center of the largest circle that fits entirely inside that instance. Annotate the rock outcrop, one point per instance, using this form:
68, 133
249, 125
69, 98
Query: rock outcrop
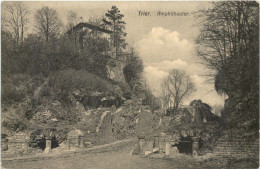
115, 70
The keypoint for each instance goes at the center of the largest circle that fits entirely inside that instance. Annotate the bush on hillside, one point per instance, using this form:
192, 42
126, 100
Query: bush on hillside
16, 123
70, 79
10, 94
17, 87
127, 93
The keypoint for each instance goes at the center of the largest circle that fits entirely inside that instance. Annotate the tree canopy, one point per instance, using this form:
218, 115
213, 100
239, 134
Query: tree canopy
48, 23
228, 44
114, 22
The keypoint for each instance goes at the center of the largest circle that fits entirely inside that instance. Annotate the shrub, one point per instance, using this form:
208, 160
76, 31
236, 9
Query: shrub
16, 123
70, 79
10, 94
15, 88
18, 87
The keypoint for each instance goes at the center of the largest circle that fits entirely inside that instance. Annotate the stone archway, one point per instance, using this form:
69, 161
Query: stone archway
188, 142
185, 145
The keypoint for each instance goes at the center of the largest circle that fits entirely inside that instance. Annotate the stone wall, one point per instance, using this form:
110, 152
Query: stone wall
19, 141
74, 137
237, 148
161, 143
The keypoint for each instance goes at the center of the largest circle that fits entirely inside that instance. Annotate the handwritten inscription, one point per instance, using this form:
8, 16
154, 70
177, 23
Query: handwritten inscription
144, 13
162, 13
159, 13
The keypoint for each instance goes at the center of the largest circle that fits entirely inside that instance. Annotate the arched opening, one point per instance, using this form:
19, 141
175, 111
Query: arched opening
41, 143
185, 145
54, 142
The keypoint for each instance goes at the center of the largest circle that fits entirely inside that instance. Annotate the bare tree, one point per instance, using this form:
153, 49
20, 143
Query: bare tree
72, 19
95, 20
175, 87
165, 96
229, 45
15, 19
229, 42
48, 23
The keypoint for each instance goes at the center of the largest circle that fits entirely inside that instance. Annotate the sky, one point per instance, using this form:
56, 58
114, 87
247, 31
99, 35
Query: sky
162, 42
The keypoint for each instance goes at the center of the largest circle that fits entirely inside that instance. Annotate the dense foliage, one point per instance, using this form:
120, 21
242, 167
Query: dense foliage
229, 45
114, 22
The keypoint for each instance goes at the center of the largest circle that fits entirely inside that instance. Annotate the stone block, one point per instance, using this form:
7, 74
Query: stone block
174, 150
155, 150
47, 150
148, 152
88, 144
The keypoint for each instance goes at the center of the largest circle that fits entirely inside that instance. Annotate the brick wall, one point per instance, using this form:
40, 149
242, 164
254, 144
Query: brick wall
237, 148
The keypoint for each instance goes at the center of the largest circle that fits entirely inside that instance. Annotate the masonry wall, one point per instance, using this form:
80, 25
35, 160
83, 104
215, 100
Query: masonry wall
237, 148
19, 141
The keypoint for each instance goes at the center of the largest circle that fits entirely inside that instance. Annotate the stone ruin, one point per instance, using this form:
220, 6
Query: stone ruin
17, 142
75, 139
165, 144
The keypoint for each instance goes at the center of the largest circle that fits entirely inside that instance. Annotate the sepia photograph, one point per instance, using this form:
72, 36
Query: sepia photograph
130, 84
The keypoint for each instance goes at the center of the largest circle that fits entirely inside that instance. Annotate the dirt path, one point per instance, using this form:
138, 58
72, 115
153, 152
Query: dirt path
107, 160
117, 156
113, 156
